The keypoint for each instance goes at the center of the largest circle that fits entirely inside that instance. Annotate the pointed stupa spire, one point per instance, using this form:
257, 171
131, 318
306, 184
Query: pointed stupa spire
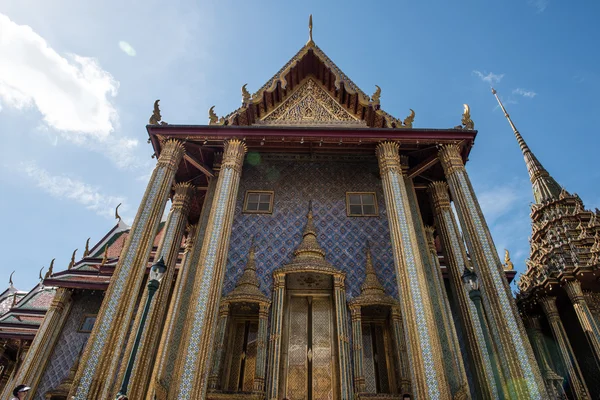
248, 286
371, 285
309, 248
545, 188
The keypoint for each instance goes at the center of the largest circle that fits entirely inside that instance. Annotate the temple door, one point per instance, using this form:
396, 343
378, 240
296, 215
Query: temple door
310, 370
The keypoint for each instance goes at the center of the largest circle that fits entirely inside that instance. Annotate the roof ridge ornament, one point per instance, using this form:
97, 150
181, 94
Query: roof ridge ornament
310, 28
245, 95
117, 216
156, 118
376, 97
466, 121
10, 281
86, 252
50, 269
72, 263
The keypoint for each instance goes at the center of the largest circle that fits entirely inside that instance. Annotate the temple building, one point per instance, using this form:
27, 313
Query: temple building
312, 252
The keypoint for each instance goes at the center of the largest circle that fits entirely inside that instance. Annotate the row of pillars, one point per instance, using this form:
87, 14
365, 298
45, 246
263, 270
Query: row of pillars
184, 347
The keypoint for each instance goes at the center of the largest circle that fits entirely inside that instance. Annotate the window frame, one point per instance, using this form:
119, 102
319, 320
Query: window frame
350, 214
259, 192
84, 319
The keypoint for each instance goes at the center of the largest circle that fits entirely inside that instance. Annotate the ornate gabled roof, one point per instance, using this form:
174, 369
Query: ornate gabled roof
307, 83
23, 318
247, 288
372, 291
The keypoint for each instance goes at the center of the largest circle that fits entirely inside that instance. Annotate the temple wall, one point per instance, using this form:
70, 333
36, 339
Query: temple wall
70, 343
343, 238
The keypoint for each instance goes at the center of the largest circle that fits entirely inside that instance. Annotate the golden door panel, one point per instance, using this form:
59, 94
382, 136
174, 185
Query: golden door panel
243, 357
310, 369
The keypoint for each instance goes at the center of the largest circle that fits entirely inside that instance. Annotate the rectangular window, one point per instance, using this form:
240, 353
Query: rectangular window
258, 202
361, 204
87, 323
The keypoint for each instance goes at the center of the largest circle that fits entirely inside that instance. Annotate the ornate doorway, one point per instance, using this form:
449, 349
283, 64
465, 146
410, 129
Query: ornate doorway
310, 362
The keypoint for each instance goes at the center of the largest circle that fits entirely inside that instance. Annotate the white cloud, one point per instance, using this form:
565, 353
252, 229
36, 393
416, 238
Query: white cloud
525, 93
127, 48
63, 187
498, 201
539, 5
490, 78
72, 93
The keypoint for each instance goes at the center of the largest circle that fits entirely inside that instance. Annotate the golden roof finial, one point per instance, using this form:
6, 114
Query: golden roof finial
508, 265
245, 95
408, 121
310, 26
117, 216
155, 118
86, 252
213, 119
466, 121
105, 257
10, 281
376, 96
72, 263
50, 269
40, 274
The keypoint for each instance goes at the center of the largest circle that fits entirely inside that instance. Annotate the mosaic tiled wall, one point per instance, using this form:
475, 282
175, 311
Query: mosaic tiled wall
343, 238
70, 342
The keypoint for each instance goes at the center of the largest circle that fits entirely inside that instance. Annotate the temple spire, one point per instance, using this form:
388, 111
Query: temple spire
309, 248
371, 284
544, 187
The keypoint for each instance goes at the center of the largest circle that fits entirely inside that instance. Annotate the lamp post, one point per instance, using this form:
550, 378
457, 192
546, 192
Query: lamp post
157, 271
471, 282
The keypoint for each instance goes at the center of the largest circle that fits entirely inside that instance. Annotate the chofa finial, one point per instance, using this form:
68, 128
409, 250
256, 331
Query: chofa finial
376, 96
310, 26
466, 121
117, 216
245, 95
10, 281
50, 269
72, 263
40, 274
86, 252
213, 119
508, 265
156, 118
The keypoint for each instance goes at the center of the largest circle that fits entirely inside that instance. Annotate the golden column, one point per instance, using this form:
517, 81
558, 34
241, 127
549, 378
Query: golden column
584, 314
446, 333
554, 383
341, 319
261, 351
168, 249
448, 336
357, 342
34, 365
202, 317
520, 368
275, 338
576, 381
215, 373
427, 368
401, 356
102, 354
180, 303
455, 256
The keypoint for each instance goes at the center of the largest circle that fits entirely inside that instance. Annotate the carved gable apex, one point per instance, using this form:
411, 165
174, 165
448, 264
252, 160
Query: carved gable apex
310, 105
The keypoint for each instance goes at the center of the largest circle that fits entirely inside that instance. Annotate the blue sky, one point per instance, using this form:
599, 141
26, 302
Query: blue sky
78, 79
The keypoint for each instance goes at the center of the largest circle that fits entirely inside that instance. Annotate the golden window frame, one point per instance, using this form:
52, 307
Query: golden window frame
349, 214
85, 317
259, 192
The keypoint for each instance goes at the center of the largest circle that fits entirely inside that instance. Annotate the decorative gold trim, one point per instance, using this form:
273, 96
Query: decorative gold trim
249, 192
349, 214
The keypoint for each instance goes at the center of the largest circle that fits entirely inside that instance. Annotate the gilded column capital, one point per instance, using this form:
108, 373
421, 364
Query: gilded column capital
355, 313
396, 313
389, 157
278, 281
224, 309
234, 151
573, 289
183, 196
440, 197
171, 154
263, 310
338, 281
450, 158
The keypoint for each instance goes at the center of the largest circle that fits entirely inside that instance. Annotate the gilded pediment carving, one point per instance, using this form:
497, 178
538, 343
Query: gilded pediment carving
310, 105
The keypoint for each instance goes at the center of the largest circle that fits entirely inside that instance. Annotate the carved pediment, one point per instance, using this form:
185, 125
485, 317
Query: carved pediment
310, 105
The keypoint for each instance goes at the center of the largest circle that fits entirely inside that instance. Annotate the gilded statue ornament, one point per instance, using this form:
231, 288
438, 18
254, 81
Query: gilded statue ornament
466, 121
508, 265
72, 263
155, 119
245, 95
50, 269
376, 97
117, 216
86, 252
408, 121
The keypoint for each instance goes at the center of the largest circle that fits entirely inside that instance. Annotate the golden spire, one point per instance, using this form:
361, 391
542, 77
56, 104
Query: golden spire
545, 188
86, 252
508, 265
371, 285
72, 263
248, 280
310, 26
309, 248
